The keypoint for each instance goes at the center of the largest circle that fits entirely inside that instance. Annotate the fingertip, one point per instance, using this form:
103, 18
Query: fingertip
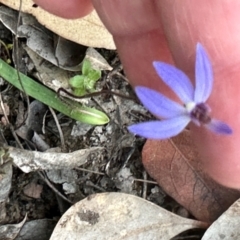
71, 9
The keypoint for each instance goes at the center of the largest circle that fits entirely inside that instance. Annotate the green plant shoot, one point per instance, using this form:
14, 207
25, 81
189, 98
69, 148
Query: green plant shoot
85, 83
43, 94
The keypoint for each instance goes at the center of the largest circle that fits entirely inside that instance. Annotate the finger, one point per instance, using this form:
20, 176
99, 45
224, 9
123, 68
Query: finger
67, 9
139, 38
216, 25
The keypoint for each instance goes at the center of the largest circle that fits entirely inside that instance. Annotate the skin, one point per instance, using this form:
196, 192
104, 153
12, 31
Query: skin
147, 30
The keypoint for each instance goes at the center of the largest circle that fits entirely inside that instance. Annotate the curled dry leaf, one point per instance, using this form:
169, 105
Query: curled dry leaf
120, 216
10, 231
88, 31
59, 51
50, 75
5, 174
175, 165
226, 226
97, 60
29, 161
40, 229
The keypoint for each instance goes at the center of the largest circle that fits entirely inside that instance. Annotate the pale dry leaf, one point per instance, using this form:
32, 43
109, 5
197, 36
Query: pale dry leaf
40, 229
115, 216
61, 176
10, 231
88, 31
4, 109
59, 51
50, 75
66, 54
226, 226
29, 161
8, 18
67, 177
97, 60
175, 165
5, 178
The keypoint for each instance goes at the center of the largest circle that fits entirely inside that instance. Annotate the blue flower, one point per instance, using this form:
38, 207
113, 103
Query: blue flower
176, 116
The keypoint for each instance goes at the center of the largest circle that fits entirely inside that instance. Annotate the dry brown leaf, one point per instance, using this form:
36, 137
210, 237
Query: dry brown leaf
120, 216
226, 226
33, 190
175, 165
88, 31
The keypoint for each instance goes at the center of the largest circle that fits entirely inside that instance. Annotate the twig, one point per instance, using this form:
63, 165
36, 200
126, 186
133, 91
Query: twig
58, 127
53, 187
144, 195
94, 94
90, 171
147, 181
9, 124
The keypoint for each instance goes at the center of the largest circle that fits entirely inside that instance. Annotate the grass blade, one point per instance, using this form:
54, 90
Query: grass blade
50, 98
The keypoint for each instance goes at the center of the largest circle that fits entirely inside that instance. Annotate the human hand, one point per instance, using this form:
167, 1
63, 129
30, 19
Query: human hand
145, 31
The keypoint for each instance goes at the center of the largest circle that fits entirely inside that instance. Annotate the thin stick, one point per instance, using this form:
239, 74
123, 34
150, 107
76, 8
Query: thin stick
144, 195
58, 127
53, 188
90, 171
147, 181
9, 124
95, 94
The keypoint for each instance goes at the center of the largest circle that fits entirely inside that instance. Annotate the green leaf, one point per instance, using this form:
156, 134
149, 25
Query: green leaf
38, 91
89, 85
94, 75
79, 91
77, 81
82, 84
86, 67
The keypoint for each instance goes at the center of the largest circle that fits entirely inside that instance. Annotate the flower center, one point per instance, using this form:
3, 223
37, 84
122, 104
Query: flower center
201, 112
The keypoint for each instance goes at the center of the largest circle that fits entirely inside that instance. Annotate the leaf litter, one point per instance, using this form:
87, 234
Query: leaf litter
175, 165
115, 169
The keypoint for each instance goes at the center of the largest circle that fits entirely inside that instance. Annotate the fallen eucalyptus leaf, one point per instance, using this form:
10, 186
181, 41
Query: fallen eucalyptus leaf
88, 31
61, 52
10, 231
37, 229
49, 74
226, 226
175, 165
97, 60
67, 177
5, 174
8, 17
29, 161
120, 216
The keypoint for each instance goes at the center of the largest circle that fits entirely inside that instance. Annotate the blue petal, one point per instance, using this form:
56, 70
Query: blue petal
203, 75
219, 127
160, 129
158, 104
176, 80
